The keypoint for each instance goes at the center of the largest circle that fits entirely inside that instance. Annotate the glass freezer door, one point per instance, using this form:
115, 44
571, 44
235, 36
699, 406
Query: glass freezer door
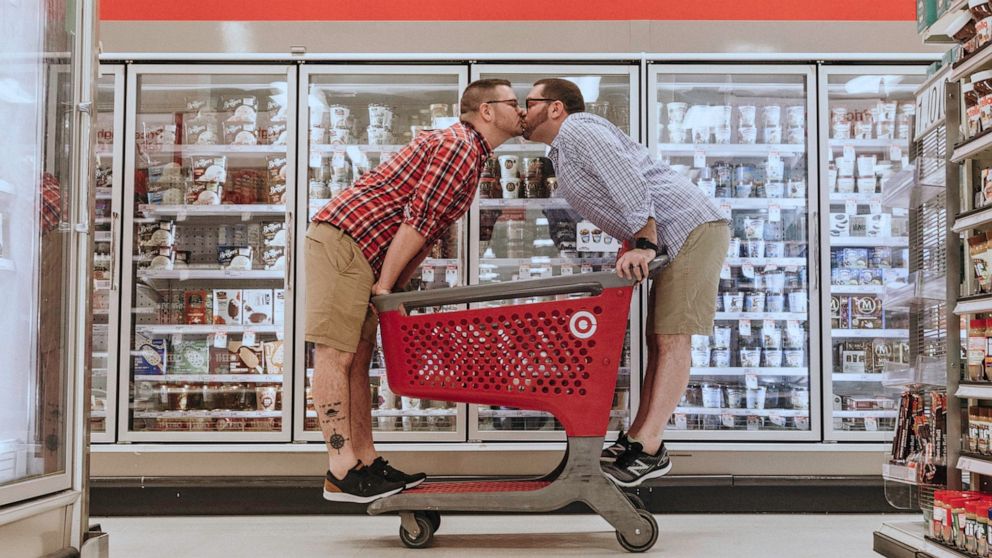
208, 238
522, 230
109, 161
865, 119
742, 133
352, 119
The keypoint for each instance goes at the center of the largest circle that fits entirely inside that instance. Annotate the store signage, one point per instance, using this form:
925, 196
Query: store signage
507, 10
930, 104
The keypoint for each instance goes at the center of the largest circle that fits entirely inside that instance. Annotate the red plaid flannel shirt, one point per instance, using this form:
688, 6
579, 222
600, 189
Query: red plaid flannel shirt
429, 184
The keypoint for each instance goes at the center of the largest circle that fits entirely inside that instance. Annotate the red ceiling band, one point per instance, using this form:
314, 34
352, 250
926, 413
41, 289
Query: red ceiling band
506, 10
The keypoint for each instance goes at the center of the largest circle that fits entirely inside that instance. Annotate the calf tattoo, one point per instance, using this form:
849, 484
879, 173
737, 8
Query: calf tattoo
331, 413
337, 441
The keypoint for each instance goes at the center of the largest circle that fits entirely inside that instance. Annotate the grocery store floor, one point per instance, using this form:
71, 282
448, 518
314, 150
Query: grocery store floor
743, 536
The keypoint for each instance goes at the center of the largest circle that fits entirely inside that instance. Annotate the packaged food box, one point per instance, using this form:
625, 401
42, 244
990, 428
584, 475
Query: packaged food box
181, 260
240, 133
855, 257
227, 306
854, 356
869, 277
156, 135
866, 312
275, 107
190, 357
220, 361
204, 193
859, 225
256, 306
166, 185
209, 169
195, 306
274, 357
156, 235
152, 355
840, 312
880, 257
852, 403
242, 108
895, 277
244, 187
273, 134
201, 130
162, 259
274, 233
274, 258
278, 306
246, 359
235, 257
277, 178
843, 276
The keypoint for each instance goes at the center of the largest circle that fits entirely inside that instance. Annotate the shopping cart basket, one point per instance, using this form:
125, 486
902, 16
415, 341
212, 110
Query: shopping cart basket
560, 357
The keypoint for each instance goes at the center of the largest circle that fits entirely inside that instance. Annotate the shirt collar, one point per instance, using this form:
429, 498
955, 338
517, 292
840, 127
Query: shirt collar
558, 141
483, 144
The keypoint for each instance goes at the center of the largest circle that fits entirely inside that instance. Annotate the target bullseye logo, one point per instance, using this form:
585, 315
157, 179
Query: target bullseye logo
582, 325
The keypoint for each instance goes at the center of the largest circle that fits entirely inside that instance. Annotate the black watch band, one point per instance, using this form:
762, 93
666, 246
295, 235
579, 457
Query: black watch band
645, 244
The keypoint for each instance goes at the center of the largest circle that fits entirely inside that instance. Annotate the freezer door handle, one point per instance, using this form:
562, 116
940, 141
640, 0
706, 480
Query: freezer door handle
290, 246
115, 217
592, 283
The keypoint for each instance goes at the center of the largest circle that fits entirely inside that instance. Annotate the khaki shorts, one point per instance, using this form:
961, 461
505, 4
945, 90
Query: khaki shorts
683, 294
339, 285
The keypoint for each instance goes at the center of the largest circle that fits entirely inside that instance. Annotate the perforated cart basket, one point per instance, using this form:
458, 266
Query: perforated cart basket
561, 356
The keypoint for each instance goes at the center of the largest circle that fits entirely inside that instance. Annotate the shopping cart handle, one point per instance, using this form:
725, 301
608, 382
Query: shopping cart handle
592, 283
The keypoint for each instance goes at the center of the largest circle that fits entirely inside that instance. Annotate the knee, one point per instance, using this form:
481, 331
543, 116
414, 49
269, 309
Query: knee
327, 356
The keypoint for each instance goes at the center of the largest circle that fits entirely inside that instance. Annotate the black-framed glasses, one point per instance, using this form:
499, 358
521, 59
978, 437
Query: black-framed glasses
512, 102
534, 100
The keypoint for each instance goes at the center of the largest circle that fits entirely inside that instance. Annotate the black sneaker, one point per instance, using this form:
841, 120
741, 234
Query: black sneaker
634, 466
611, 453
382, 467
359, 486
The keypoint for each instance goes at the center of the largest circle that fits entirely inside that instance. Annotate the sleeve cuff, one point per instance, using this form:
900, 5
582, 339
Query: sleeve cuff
420, 223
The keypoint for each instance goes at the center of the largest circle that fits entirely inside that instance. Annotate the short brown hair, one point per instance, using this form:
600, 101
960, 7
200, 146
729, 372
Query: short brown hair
565, 91
480, 91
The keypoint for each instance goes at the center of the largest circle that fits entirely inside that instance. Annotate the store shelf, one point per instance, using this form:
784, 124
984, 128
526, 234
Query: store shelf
761, 203
900, 473
973, 219
730, 150
341, 148
880, 145
862, 199
524, 203
908, 537
981, 60
211, 378
98, 414
6, 264
857, 289
742, 412
937, 32
869, 333
209, 274
441, 262
538, 260
980, 465
968, 390
103, 193
373, 372
868, 241
974, 305
212, 149
206, 329
184, 211
746, 371
207, 414
102, 236
979, 147
764, 262
875, 378
872, 413
797, 316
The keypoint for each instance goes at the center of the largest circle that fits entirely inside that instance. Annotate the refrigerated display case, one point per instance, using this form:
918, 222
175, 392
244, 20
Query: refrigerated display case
522, 230
108, 132
353, 118
866, 114
208, 296
744, 134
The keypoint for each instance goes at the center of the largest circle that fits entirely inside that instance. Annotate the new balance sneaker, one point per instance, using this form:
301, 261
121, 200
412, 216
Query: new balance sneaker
634, 466
359, 486
382, 467
611, 453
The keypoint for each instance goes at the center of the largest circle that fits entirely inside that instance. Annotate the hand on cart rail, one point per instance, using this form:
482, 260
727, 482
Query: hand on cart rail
634, 264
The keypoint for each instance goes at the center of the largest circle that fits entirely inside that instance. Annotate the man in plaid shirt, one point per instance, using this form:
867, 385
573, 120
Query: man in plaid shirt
613, 181
370, 240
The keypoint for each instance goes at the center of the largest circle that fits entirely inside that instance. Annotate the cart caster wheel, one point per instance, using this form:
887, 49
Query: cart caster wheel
635, 501
653, 526
435, 518
426, 533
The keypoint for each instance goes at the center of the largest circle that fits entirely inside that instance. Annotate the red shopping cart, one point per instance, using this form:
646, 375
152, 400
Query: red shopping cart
560, 356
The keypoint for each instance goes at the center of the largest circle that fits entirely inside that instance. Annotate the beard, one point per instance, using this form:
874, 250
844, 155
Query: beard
531, 124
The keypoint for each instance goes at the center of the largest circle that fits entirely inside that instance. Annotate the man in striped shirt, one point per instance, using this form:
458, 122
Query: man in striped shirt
613, 182
370, 240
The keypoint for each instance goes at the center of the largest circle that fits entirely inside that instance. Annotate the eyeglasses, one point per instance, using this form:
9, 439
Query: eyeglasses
512, 102
532, 101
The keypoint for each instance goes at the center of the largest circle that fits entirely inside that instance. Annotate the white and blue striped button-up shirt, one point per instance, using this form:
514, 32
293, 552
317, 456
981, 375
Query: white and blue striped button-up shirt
612, 181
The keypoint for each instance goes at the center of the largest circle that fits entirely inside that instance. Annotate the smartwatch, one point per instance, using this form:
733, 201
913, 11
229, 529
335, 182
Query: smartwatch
645, 244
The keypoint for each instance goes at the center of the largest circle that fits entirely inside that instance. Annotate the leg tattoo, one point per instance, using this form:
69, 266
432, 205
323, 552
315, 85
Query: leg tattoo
331, 413
337, 441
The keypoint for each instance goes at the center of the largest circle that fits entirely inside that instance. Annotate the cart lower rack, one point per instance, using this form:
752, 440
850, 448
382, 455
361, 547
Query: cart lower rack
560, 356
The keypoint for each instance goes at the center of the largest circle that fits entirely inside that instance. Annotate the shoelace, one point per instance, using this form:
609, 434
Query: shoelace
629, 455
379, 466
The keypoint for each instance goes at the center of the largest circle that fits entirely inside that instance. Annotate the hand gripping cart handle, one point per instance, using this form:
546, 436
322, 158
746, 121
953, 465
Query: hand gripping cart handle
560, 356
